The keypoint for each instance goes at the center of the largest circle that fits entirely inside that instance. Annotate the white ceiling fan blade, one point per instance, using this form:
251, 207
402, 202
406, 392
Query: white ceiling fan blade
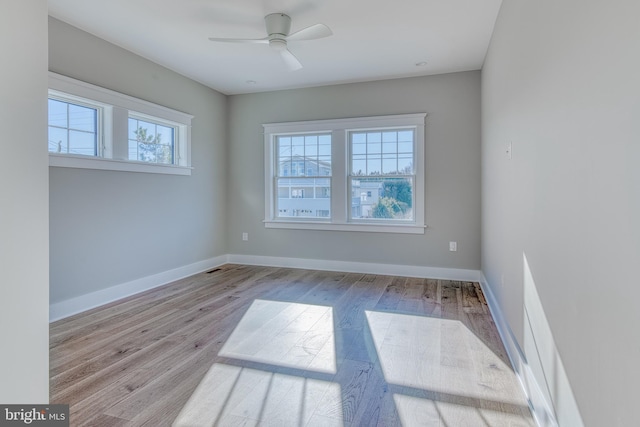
313, 32
289, 58
261, 41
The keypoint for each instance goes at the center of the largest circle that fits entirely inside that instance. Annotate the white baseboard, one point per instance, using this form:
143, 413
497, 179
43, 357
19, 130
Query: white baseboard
540, 407
86, 302
359, 267
62, 309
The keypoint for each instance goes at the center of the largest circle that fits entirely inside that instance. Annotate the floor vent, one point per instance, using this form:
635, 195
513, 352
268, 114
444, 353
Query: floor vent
214, 270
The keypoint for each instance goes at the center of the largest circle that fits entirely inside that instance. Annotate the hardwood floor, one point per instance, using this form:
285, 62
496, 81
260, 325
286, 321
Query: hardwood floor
245, 345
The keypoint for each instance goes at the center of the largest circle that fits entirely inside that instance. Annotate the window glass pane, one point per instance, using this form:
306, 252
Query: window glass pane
324, 145
359, 165
311, 146
359, 138
58, 140
303, 197
72, 128
57, 113
284, 167
324, 165
389, 147
374, 165
382, 198
147, 152
145, 132
82, 118
405, 147
165, 135
284, 148
374, 143
389, 136
151, 142
382, 153
405, 165
164, 153
133, 126
297, 146
405, 136
82, 143
359, 148
389, 164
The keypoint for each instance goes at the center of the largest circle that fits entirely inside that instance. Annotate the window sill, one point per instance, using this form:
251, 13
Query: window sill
369, 228
83, 162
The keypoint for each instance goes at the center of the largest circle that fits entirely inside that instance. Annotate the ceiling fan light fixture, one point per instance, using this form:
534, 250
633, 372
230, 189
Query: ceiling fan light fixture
278, 44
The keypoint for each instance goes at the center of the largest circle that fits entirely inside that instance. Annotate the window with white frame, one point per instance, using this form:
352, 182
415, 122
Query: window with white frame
302, 175
381, 174
360, 174
95, 128
74, 126
151, 140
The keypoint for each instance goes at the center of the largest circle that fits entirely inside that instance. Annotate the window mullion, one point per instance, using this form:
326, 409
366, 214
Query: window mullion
339, 163
120, 133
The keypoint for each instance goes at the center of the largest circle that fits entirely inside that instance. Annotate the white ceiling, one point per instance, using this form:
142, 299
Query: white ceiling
372, 39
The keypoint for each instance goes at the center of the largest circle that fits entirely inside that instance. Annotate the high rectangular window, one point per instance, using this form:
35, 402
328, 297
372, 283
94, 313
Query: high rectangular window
360, 174
151, 142
73, 127
95, 128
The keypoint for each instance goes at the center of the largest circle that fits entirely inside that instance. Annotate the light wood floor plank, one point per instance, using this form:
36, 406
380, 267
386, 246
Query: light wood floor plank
249, 345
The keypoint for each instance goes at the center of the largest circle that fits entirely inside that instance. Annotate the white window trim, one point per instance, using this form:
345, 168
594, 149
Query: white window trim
116, 108
339, 129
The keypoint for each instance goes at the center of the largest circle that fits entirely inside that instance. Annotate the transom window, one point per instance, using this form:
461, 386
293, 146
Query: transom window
73, 127
151, 142
95, 128
361, 174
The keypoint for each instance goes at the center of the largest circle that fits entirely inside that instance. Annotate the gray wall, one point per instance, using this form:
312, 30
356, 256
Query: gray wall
561, 82
452, 202
108, 228
24, 247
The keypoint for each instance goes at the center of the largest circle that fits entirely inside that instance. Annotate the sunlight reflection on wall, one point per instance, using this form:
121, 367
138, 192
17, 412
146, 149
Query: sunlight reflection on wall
544, 359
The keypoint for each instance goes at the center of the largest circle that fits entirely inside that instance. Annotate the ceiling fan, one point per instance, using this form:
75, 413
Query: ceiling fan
278, 27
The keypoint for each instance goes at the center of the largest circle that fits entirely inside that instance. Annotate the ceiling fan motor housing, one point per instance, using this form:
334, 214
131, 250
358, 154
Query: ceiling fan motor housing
278, 24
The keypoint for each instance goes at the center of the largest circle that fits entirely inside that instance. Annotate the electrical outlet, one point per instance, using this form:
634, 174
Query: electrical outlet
245, 236
453, 246
509, 150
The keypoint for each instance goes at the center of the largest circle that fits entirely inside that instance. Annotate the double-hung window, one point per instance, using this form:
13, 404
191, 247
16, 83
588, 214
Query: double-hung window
303, 176
381, 175
360, 174
95, 128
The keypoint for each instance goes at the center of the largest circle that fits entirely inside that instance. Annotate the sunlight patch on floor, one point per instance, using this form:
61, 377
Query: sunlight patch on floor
285, 334
414, 411
232, 395
440, 355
